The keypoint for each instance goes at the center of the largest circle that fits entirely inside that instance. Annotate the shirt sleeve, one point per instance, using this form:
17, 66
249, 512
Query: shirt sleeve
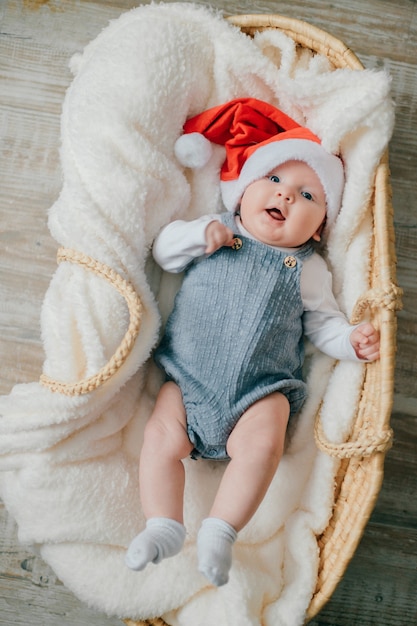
324, 323
180, 242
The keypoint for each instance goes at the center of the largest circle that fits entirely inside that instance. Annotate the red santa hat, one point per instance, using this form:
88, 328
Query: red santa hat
258, 138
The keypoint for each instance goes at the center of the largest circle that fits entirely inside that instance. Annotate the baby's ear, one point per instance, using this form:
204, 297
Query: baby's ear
317, 235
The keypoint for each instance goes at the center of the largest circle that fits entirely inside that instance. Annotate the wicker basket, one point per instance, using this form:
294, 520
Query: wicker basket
361, 469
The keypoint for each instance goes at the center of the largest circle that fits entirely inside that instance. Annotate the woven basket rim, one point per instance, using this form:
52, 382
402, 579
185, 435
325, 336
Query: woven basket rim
303, 33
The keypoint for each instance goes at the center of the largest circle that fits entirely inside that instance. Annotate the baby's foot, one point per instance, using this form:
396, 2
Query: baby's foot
214, 545
162, 538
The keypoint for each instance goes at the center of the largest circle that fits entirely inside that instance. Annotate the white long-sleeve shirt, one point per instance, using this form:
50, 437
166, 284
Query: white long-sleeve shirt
181, 242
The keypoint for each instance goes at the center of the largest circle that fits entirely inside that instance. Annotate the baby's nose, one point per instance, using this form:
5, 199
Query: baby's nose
286, 193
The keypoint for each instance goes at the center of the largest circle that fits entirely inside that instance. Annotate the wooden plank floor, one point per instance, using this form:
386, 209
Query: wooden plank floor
37, 38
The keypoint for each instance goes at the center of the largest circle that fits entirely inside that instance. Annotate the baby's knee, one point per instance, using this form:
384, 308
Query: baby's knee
167, 438
270, 445
261, 445
155, 434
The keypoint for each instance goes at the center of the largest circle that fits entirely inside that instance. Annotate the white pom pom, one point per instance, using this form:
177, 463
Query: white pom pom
193, 150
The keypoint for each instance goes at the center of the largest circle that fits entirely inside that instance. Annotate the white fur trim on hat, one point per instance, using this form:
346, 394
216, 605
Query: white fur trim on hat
266, 158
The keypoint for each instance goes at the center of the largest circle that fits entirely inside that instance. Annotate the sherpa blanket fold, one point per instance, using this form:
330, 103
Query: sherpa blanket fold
70, 463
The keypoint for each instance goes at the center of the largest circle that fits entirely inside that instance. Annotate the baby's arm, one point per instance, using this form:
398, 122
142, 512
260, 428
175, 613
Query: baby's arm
180, 242
324, 323
365, 342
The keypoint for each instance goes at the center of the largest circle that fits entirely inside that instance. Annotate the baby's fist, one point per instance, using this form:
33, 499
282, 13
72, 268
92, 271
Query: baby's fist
217, 236
365, 342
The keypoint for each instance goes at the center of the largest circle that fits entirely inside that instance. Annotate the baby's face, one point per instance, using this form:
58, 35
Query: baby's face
286, 208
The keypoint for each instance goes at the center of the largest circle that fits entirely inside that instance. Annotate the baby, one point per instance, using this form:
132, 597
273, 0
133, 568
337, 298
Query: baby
233, 345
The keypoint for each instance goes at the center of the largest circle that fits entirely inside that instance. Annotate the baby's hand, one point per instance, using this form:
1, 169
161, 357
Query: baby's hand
218, 235
365, 342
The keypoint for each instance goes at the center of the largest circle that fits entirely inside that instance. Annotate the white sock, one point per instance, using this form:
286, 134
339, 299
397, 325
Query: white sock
162, 538
214, 547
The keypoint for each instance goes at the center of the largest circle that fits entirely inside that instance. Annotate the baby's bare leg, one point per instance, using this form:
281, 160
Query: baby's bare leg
161, 479
255, 447
161, 472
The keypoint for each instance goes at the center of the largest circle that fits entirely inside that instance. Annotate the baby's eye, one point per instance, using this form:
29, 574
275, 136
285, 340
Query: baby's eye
307, 195
275, 179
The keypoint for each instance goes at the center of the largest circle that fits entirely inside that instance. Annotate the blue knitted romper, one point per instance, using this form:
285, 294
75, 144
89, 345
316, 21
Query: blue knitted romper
234, 336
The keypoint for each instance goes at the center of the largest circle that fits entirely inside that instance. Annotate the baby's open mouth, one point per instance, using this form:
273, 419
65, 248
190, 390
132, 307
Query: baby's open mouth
276, 214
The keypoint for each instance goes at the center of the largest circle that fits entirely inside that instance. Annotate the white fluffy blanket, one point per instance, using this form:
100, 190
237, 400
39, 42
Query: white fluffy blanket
70, 463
